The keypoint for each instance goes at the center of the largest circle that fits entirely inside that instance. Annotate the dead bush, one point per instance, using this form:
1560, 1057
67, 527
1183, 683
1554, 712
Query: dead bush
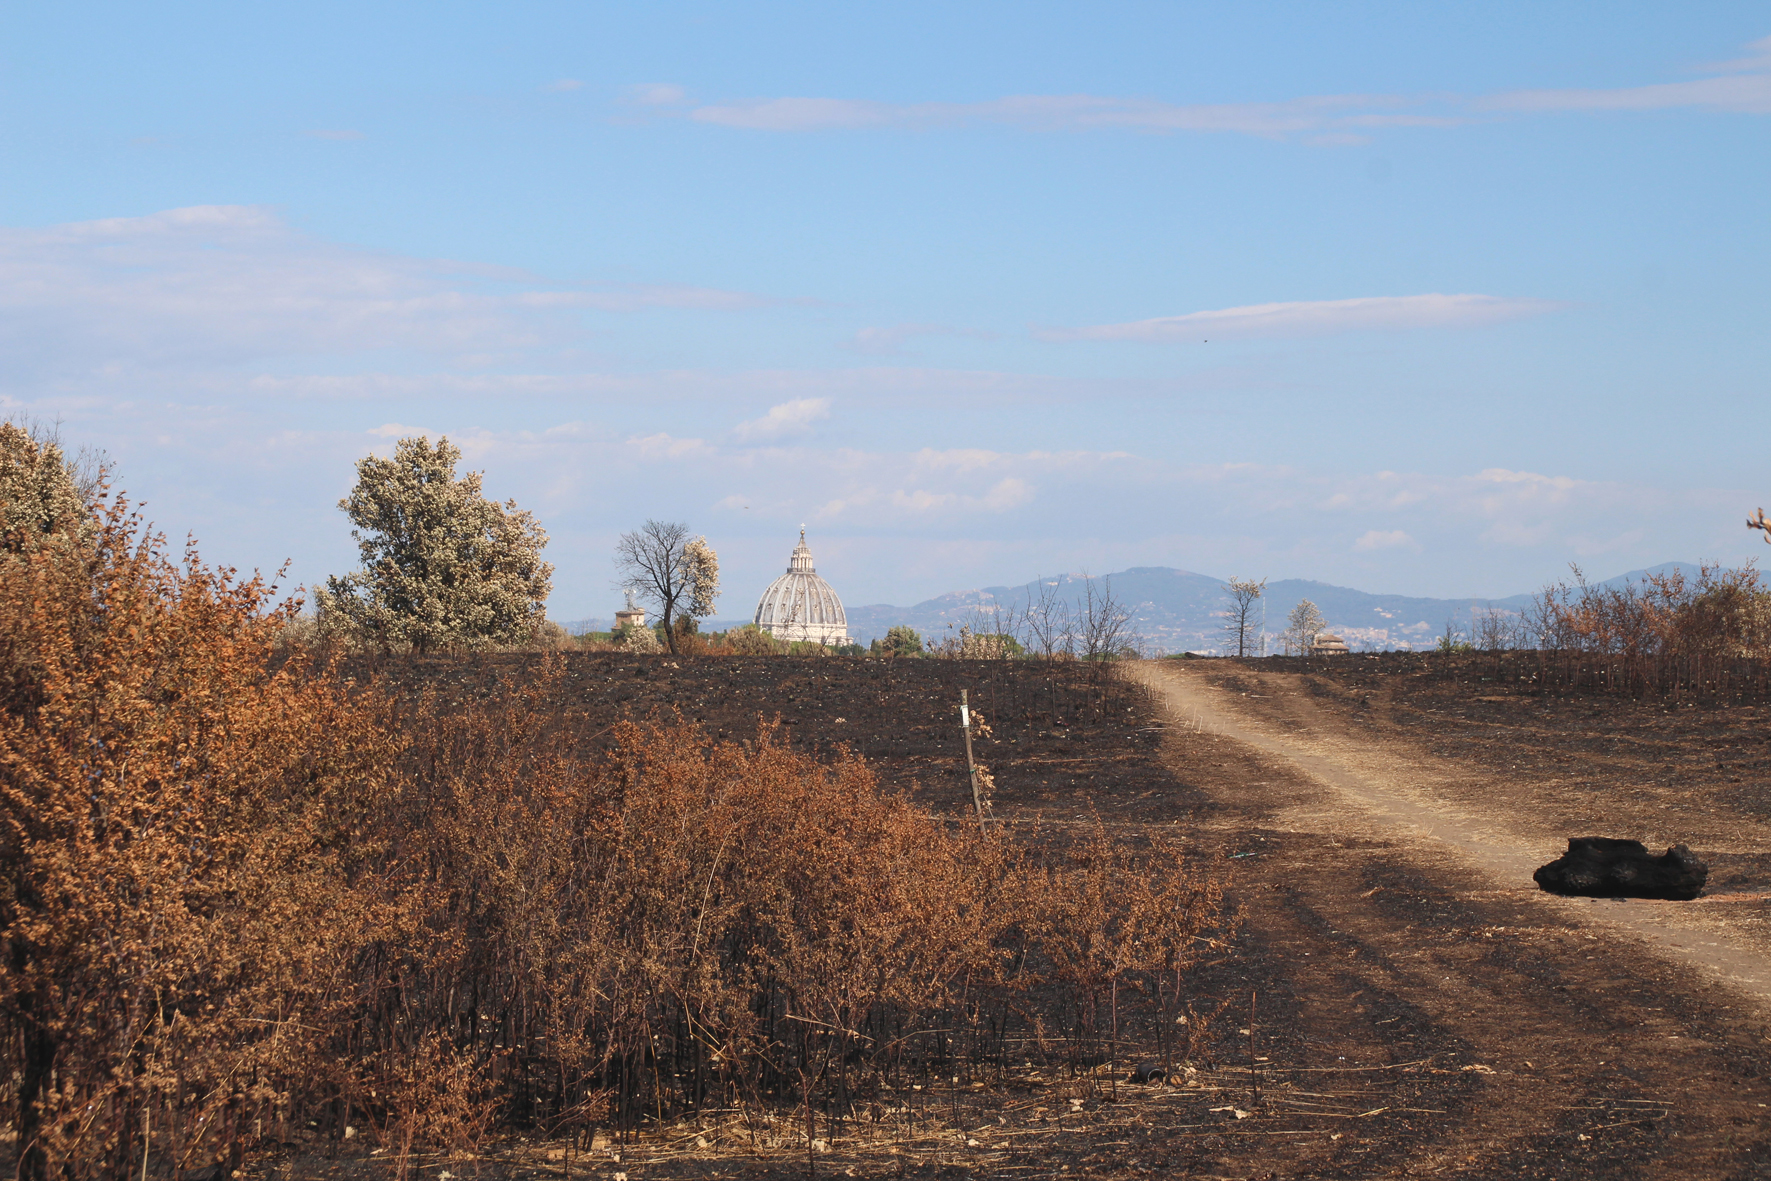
177, 822
242, 897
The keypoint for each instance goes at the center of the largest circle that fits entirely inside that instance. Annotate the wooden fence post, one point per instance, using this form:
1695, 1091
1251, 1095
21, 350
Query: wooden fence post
971, 767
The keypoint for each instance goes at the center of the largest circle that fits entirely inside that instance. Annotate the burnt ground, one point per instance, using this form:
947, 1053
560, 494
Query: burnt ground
1392, 1005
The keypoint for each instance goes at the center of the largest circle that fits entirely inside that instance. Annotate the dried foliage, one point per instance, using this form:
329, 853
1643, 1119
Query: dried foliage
245, 899
1718, 613
639, 640
1706, 637
177, 824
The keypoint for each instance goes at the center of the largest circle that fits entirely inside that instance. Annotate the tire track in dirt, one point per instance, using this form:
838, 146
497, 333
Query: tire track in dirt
1405, 922
1398, 793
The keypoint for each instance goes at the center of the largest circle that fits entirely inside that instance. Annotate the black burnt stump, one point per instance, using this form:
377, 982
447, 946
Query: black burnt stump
1607, 867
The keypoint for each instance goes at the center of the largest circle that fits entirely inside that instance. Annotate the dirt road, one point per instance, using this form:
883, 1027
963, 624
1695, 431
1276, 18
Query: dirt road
1389, 901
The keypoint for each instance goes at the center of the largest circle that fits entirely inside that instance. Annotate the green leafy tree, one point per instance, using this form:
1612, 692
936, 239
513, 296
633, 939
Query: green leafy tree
442, 565
898, 641
662, 564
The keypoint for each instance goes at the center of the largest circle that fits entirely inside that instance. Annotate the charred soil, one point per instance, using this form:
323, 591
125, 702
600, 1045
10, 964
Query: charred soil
1388, 1005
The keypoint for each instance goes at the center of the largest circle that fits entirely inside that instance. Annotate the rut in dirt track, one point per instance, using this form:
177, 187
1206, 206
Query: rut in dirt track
1585, 1051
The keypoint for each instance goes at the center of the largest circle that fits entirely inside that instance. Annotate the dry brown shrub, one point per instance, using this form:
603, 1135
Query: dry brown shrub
242, 899
1720, 612
1116, 916
175, 825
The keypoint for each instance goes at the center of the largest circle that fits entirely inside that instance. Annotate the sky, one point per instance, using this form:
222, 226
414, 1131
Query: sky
1420, 299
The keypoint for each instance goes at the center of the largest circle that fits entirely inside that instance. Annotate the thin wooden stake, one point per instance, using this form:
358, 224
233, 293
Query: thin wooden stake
1254, 1082
965, 725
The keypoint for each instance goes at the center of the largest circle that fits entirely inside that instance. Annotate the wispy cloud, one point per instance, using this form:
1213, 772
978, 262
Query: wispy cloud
1748, 94
1375, 539
666, 447
654, 94
789, 418
890, 341
1072, 112
1314, 317
1758, 57
219, 285
1745, 86
633, 297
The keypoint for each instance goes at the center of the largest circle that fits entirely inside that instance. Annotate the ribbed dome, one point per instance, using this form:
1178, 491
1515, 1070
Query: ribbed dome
801, 606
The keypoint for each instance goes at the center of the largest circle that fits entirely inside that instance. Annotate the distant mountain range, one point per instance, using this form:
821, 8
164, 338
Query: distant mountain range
1180, 611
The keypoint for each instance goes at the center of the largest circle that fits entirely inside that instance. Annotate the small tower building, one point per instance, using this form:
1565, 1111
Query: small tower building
631, 614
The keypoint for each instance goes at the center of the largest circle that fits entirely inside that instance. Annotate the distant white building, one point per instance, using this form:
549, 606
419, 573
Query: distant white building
801, 606
1328, 644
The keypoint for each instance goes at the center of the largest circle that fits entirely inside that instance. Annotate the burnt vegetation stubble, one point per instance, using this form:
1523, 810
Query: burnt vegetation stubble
250, 902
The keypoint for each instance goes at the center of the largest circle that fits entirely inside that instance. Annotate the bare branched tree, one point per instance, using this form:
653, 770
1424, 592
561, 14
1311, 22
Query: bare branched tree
1494, 630
1240, 625
667, 567
1045, 621
1104, 621
1302, 627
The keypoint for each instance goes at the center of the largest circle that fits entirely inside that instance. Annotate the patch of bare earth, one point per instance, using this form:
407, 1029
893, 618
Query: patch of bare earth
1392, 824
1399, 999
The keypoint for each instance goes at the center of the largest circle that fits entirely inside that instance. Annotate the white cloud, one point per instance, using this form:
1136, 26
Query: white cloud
395, 430
654, 94
1743, 88
890, 341
1327, 119
1758, 57
662, 446
1000, 497
788, 418
224, 285
1319, 316
1068, 112
960, 459
633, 297
1381, 539
1741, 93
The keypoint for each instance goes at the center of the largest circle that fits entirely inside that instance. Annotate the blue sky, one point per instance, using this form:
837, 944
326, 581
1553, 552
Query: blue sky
1420, 299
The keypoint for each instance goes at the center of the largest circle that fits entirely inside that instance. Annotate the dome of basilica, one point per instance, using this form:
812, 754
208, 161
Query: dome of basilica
801, 606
